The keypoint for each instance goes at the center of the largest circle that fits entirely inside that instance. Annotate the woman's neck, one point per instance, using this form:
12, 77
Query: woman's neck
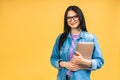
75, 31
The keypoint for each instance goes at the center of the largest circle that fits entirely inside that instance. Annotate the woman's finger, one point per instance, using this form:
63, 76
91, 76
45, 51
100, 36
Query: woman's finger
78, 54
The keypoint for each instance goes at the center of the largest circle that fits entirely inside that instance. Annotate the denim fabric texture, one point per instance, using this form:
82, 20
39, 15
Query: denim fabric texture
63, 54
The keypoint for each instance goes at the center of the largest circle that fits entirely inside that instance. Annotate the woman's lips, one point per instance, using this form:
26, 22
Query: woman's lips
73, 24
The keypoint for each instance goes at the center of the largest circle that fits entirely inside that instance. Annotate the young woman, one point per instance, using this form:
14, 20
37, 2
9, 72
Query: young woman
63, 55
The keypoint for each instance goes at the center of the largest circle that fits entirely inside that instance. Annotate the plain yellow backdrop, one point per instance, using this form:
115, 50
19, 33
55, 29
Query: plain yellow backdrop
28, 30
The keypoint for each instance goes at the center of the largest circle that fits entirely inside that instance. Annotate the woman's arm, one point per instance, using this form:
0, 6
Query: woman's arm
95, 63
55, 58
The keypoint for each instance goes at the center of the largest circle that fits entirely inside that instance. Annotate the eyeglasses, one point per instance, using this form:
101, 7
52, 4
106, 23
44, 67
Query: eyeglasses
69, 19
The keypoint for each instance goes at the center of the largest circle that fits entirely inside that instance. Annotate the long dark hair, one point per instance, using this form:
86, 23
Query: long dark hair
67, 29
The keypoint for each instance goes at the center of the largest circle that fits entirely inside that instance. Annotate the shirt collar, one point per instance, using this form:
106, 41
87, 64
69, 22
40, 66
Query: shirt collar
81, 35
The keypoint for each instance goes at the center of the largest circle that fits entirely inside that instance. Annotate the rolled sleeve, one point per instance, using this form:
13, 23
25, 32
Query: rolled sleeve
94, 65
55, 63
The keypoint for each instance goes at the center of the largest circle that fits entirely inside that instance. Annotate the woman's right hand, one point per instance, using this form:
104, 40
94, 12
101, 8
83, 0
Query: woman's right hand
70, 66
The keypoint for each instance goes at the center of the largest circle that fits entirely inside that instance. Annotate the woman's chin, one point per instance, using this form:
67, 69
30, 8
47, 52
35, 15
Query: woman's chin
74, 27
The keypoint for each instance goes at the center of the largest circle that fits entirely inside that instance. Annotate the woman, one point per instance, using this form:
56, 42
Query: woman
63, 55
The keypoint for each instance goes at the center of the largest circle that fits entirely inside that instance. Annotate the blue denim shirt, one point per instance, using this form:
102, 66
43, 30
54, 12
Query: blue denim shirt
63, 54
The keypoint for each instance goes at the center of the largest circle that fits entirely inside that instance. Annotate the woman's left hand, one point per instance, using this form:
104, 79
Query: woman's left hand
78, 59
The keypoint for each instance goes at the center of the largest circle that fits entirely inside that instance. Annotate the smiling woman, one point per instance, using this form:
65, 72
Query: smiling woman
63, 55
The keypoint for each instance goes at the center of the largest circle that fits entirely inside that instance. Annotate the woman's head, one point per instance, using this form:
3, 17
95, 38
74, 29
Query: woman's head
74, 18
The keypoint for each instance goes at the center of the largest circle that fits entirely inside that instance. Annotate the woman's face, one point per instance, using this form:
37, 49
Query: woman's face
73, 19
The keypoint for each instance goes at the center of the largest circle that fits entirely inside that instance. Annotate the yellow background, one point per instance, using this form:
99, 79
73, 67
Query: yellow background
28, 29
